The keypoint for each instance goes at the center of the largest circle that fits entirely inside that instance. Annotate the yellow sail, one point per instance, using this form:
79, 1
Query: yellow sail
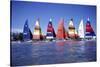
37, 35
71, 29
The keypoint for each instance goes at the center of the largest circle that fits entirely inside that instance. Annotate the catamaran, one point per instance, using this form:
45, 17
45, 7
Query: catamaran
50, 31
89, 32
81, 30
27, 35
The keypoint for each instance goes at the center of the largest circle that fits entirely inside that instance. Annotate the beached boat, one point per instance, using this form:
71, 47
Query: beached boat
27, 35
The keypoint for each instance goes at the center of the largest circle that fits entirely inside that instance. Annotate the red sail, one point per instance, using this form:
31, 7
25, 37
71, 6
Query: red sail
50, 31
61, 30
88, 27
50, 28
89, 30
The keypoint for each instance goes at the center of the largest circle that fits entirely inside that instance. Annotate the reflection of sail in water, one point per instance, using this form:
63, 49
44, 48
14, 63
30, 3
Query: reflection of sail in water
81, 30
60, 47
60, 43
82, 46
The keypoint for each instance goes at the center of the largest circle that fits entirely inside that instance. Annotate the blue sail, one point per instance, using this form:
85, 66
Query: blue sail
27, 35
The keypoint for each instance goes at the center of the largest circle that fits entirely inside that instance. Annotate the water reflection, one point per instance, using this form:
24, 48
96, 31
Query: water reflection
21, 53
52, 52
60, 46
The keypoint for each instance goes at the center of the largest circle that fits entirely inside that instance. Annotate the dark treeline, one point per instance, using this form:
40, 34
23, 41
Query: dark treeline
16, 36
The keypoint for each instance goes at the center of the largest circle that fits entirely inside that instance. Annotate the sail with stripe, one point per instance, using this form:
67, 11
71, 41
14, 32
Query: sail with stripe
71, 29
37, 35
50, 31
89, 32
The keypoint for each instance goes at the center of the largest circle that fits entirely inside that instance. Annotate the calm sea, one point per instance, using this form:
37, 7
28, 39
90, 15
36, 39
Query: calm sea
29, 53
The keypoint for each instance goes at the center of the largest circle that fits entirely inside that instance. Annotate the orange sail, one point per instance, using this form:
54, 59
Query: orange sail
61, 32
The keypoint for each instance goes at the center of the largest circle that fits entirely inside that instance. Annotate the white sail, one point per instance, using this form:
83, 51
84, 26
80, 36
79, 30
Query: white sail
81, 30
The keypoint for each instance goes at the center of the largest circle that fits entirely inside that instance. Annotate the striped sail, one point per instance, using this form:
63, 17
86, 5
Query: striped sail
37, 35
89, 32
50, 31
71, 29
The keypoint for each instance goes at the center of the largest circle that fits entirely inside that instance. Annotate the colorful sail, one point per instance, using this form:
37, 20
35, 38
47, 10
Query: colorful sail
27, 35
37, 35
50, 31
76, 34
81, 30
61, 32
71, 29
89, 30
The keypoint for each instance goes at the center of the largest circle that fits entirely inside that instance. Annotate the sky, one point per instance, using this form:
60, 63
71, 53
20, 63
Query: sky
31, 11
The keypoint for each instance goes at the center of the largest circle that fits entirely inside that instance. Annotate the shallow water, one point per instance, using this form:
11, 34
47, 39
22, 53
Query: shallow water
52, 52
